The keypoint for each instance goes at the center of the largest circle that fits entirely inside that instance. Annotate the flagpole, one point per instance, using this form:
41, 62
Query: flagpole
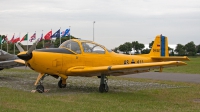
70, 37
60, 37
27, 42
1, 41
35, 39
93, 31
50, 37
7, 41
42, 39
69, 33
12, 42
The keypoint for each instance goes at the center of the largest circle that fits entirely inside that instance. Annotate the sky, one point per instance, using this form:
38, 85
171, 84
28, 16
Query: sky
116, 21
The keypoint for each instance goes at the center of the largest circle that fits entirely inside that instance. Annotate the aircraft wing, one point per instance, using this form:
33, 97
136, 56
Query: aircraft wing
171, 58
121, 69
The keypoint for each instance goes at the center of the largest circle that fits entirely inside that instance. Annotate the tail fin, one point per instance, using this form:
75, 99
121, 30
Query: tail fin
160, 47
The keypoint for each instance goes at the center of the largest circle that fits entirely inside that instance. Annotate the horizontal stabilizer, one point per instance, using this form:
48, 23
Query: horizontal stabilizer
171, 58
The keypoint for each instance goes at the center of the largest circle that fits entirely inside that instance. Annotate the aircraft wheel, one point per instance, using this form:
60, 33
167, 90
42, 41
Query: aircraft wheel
106, 88
103, 88
60, 85
40, 88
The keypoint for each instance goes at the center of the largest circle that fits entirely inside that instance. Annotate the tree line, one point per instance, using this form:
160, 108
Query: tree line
189, 49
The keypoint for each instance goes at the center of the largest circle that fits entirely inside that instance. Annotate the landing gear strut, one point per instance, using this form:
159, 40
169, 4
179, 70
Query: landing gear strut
103, 84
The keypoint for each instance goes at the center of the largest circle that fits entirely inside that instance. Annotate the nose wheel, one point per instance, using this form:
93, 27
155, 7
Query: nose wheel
103, 84
40, 88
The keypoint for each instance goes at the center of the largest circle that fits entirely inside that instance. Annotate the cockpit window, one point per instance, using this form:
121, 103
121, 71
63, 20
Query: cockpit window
92, 48
74, 46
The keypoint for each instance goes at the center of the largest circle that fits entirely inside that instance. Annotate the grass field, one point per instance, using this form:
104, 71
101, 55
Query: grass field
191, 68
176, 97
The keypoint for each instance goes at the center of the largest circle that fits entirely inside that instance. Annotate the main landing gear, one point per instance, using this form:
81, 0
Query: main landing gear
62, 83
103, 84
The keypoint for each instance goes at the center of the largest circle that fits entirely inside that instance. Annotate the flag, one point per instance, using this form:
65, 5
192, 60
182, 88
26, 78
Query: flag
16, 40
62, 33
33, 37
56, 34
67, 32
41, 38
48, 36
11, 40
24, 38
5, 39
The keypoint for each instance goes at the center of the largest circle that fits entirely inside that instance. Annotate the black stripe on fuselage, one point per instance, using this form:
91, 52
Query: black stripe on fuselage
55, 50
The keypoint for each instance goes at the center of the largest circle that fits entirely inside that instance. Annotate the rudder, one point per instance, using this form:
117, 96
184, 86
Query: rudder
160, 47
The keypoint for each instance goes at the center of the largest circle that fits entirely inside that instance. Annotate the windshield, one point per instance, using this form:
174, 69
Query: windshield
92, 48
70, 44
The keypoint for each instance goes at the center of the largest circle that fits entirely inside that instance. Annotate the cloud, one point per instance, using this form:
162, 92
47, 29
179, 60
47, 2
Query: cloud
117, 20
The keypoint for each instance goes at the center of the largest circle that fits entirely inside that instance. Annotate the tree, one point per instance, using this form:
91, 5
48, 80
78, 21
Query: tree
198, 48
151, 44
145, 51
180, 49
137, 46
190, 49
39, 45
116, 49
171, 51
126, 47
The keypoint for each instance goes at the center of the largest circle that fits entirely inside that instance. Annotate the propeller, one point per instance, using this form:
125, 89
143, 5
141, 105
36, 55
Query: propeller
19, 47
28, 55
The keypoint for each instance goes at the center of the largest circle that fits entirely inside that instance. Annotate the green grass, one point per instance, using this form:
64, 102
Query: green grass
157, 100
192, 67
185, 97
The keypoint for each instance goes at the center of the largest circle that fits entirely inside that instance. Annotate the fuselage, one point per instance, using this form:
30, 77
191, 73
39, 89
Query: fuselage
50, 61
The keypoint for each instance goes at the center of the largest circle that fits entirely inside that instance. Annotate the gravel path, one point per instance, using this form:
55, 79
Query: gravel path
193, 78
24, 80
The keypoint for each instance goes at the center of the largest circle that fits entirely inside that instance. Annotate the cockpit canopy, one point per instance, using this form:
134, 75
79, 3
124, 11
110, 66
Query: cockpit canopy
79, 47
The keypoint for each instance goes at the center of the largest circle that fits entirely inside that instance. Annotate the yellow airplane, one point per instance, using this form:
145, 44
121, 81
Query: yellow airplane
77, 57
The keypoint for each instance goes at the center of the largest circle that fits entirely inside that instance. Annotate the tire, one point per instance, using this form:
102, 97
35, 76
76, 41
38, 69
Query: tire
102, 88
40, 88
60, 85
106, 89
